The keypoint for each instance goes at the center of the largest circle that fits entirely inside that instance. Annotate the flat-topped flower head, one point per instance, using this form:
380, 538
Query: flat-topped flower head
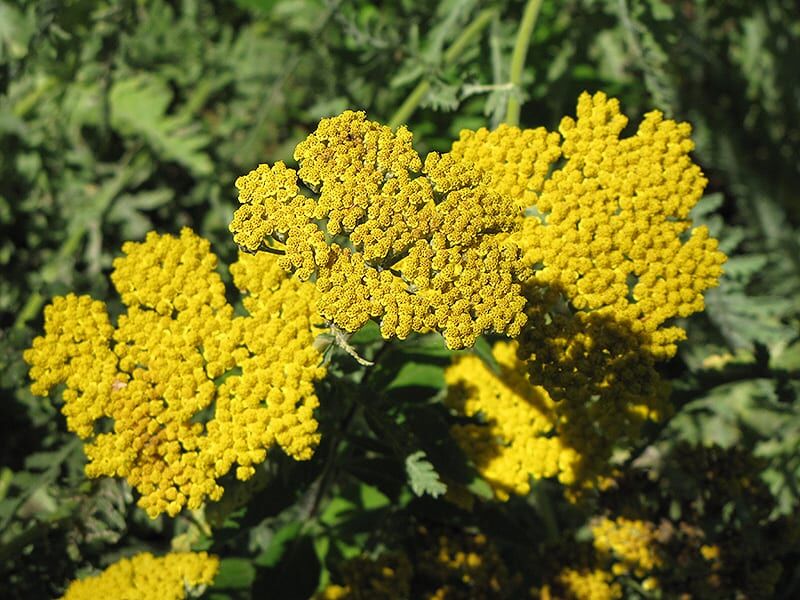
413, 244
612, 260
608, 226
625, 551
192, 391
526, 433
175, 576
586, 584
630, 543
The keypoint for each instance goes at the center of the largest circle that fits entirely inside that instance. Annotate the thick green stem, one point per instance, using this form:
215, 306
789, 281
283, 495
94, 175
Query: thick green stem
452, 54
518, 58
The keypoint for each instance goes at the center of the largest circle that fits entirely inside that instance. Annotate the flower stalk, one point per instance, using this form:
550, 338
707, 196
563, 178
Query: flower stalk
529, 17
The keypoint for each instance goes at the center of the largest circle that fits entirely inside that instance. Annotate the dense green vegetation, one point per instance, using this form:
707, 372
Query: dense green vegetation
118, 118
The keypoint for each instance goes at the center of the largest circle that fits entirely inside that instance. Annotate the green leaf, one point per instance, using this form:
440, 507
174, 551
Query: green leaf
787, 358
295, 576
422, 477
480, 487
484, 351
235, 573
418, 375
15, 32
661, 10
368, 334
139, 106
278, 544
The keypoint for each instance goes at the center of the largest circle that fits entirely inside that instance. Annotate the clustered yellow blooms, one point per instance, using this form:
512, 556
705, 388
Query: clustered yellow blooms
631, 545
524, 433
191, 389
416, 245
611, 257
516, 160
583, 584
622, 547
518, 438
146, 577
608, 229
464, 566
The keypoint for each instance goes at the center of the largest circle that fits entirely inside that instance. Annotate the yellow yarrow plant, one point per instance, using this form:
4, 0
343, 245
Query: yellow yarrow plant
175, 576
520, 433
630, 544
608, 226
576, 242
414, 244
584, 584
192, 391
611, 260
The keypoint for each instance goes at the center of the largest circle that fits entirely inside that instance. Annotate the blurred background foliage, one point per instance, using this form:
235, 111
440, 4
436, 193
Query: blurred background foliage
121, 117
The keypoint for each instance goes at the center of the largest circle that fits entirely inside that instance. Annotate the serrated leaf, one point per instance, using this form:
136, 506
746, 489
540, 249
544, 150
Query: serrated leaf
442, 96
744, 266
422, 477
407, 76
706, 205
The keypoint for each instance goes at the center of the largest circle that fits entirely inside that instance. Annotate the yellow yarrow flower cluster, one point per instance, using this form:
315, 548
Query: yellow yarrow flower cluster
178, 424
609, 228
584, 584
146, 577
413, 244
630, 544
518, 437
525, 434
612, 257
622, 547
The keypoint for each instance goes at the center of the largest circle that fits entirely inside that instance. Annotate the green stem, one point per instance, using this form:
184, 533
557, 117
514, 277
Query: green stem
518, 58
326, 477
545, 509
452, 55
